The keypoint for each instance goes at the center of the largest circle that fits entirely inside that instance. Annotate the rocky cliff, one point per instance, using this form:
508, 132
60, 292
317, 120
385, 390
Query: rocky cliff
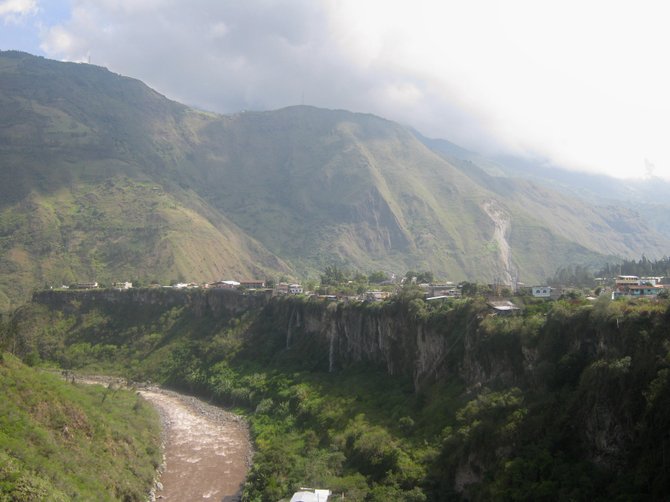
389, 337
396, 337
461, 339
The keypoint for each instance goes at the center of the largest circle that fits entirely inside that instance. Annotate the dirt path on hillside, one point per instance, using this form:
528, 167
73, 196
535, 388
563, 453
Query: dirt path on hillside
207, 451
502, 226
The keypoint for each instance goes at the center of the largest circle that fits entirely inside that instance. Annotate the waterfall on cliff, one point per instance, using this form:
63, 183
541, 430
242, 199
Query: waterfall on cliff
288, 330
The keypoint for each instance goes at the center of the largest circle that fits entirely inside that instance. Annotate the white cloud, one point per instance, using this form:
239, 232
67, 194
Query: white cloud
584, 84
61, 41
218, 30
14, 10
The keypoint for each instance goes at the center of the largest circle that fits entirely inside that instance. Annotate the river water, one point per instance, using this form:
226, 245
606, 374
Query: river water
207, 449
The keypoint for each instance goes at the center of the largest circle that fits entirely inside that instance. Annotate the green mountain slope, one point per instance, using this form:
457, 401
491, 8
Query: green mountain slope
103, 179
62, 442
631, 207
91, 185
317, 185
333, 185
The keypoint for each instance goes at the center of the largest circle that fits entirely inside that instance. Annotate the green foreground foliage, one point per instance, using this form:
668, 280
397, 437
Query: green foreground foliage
61, 441
568, 401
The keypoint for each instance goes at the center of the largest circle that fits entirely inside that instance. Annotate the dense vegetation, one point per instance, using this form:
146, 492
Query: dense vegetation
570, 400
65, 441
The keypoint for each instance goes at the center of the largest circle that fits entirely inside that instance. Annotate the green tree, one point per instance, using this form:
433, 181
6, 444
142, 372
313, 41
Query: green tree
422, 277
377, 277
333, 275
473, 289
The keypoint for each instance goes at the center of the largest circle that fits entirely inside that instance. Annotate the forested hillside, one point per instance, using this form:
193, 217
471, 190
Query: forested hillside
400, 400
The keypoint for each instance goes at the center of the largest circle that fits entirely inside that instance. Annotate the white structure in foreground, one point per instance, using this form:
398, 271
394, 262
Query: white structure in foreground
311, 495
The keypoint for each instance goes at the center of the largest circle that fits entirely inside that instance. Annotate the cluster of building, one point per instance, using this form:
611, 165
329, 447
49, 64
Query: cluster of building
440, 291
95, 285
621, 286
281, 288
632, 285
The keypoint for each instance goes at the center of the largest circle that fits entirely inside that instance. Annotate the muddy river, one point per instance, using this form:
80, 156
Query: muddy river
207, 449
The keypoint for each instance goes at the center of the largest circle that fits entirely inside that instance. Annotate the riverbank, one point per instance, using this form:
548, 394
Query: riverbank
206, 449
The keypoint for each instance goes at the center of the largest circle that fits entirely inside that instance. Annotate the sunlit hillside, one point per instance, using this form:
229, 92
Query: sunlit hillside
103, 179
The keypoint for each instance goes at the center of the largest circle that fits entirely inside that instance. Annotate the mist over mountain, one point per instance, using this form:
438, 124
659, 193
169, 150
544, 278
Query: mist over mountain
102, 178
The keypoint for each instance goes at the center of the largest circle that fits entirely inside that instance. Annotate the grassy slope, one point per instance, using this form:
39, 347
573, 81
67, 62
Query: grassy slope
334, 186
60, 441
337, 186
613, 230
121, 230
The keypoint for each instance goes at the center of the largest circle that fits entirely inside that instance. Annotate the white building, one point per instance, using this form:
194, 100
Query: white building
627, 280
310, 495
541, 291
225, 284
295, 289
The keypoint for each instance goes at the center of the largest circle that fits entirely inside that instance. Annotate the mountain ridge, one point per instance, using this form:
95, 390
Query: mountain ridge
103, 178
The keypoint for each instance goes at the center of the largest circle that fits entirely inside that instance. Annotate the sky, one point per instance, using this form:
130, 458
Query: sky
582, 84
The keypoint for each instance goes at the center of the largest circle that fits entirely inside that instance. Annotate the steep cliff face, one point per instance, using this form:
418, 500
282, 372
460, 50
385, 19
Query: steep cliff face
395, 338
598, 364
